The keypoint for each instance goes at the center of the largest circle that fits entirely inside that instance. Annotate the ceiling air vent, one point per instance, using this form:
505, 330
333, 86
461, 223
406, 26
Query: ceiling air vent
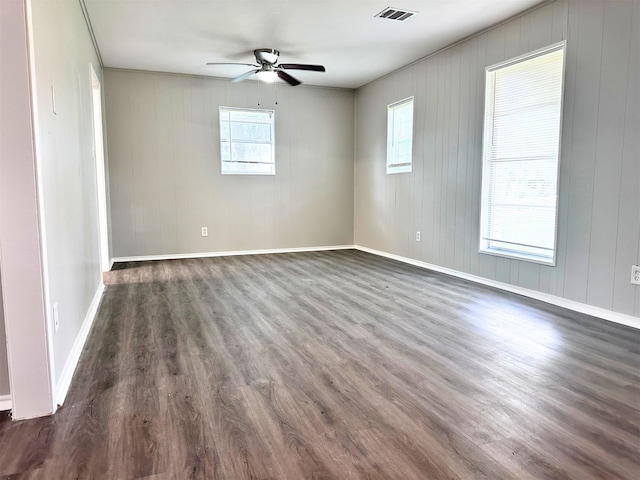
396, 14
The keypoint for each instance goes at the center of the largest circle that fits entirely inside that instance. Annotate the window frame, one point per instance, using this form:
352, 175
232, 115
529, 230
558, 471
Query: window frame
272, 143
395, 168
483, 247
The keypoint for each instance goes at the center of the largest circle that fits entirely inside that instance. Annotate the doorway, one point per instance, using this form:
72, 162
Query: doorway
101, 179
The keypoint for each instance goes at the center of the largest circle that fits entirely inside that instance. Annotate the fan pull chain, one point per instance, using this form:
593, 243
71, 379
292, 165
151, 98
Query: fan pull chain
259, 92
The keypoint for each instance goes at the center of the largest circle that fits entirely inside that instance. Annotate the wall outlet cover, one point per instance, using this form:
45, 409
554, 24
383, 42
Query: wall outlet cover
635, 274
204, 231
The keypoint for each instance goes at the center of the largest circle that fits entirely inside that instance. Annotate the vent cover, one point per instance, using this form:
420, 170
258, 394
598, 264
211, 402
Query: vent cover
391, 13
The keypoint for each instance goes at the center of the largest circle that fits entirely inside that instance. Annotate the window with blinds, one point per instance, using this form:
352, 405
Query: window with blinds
523, 113
247, 141
399, 136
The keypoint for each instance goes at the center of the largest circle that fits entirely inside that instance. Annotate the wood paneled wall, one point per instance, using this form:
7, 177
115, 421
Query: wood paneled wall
164, 167
599, 204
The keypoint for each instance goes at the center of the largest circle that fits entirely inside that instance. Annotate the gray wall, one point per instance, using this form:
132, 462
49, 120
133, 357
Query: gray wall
64, 54
164, 167
22, 287
599, 206
4, 367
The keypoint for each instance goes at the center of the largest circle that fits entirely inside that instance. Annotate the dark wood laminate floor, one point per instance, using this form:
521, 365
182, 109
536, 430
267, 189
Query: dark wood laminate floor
335, 365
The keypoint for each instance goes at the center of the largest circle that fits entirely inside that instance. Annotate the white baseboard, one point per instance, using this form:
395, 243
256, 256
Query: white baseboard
5, 403
603, 313
177, 256
72, 361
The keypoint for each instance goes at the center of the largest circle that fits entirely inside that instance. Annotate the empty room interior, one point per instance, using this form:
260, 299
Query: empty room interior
322, 239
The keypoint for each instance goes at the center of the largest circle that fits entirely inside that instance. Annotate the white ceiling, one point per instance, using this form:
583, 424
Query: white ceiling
182, 35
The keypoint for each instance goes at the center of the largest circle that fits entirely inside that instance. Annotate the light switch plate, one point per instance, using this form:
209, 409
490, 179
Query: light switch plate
53, 100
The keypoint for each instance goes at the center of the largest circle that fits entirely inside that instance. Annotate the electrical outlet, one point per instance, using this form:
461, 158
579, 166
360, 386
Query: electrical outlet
635, 274
56, 321
204, 231
417, 236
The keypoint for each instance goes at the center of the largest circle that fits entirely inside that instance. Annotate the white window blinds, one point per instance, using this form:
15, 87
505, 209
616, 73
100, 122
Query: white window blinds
400, 136
247, 141
523, 108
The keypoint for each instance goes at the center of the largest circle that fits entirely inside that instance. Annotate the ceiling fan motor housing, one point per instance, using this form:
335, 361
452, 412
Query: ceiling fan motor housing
266, 55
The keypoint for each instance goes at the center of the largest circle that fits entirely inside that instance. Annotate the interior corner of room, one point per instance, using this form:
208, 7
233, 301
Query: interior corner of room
69, 208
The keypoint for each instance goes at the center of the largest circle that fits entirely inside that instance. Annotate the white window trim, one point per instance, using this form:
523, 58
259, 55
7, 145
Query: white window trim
506, 253
394, 169
272, 143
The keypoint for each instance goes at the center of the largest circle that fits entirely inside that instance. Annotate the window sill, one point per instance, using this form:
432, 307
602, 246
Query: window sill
394, 172
510, 254
249, 173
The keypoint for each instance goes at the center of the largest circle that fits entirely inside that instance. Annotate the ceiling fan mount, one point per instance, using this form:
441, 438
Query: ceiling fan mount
267, 69
266, 56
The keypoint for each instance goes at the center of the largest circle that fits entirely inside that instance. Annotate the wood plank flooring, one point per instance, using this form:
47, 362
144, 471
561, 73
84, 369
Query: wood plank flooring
334, 365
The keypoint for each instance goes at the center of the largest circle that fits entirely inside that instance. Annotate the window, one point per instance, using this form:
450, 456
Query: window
523, 111
399, 136
247, 141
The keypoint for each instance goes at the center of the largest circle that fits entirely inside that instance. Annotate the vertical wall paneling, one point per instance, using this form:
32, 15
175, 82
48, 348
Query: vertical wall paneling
477, 159
559, 21
446, 160
547, 29
628, 239
429, 153
585, 124
525, 27
599, 177
417, 178
471, 156
566, 157
608, 152
462, 133
438, 154
452, 157
540, 28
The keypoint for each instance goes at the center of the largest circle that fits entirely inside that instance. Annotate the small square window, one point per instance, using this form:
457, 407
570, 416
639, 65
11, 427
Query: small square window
400, 136
247, 141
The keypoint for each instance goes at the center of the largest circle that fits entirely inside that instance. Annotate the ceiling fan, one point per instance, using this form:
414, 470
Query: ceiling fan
267, 68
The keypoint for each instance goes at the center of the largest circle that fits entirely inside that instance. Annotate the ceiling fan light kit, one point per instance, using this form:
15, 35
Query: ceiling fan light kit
267, 70
267, 76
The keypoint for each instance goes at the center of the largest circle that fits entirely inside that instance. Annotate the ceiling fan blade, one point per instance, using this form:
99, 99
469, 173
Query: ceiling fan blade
288, 78
302, 66
243, 64
244, 76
